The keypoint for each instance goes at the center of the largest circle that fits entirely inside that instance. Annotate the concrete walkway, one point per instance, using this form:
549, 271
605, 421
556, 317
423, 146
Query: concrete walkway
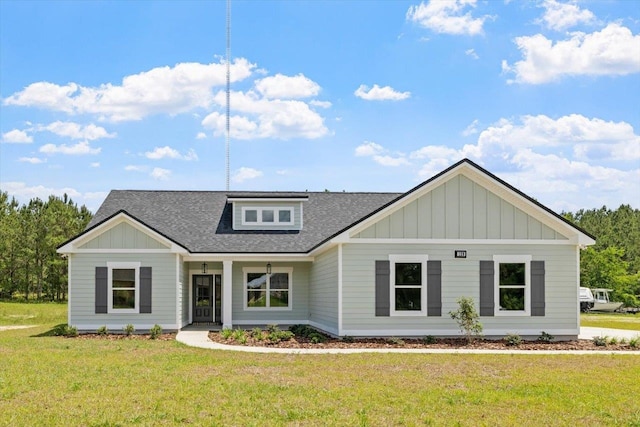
200, 338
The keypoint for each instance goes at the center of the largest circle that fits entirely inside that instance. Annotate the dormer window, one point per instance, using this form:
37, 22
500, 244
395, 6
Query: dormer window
267, 215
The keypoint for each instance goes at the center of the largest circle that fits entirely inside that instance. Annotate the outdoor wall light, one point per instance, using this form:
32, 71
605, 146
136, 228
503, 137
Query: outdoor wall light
204, 268
268, 268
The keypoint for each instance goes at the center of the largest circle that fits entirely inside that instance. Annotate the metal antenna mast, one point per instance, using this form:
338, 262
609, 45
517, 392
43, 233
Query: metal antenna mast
228, 87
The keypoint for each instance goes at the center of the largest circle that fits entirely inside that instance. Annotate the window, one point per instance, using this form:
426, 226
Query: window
123, 280
408, 284
267, 216
512, 284
267, 291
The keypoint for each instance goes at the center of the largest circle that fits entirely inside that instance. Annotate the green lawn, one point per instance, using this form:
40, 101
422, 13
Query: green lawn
48, 380
611, 320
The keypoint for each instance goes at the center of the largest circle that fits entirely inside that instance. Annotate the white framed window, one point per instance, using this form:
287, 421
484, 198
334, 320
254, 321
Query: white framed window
512, 282
264, 291
408, 285
267, 215
123, 280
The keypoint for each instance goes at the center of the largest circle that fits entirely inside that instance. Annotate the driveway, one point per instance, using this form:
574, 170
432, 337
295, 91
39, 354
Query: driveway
587, 333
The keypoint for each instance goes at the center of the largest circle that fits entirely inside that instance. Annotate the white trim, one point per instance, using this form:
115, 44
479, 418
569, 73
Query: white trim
301, 215
259, 215
256, 257
456, 332
512, 259
340, 285
267, 199
408, 258
213, 273
246, 270
124, 251
69, 291
178, 292
125, 266
396, 241
227, 290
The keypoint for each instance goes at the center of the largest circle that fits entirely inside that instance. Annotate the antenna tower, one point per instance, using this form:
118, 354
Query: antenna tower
228, 88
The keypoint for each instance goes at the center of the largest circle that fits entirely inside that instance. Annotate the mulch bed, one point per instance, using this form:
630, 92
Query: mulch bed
441, 343
117, 337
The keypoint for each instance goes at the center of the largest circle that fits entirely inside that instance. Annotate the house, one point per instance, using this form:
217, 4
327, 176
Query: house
350, 264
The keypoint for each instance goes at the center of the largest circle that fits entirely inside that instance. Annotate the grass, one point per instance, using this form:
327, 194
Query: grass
611, 320
16, 313
48, 380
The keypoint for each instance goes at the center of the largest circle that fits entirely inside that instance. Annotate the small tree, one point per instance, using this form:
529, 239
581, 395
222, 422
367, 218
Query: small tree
467, 318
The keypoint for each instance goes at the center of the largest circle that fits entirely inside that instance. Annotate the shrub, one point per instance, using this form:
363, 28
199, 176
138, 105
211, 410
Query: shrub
467, 318
239, 335
226, 333
272, 328
429, 339
102, 330
59, 330
613, 341
309, 333
317, 338
513, 339
155, 331
634, 342
71, 331
278, 335
395, 341
128, 329
256, 334
545, 337
600, 341
348, 339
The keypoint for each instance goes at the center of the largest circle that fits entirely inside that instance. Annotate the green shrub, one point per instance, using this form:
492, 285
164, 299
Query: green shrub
467, 318
600, 341
634, 342
71, 331
226, 333
272, 328
545, 337
429, 339
513, 340
128, 329
613, 341
348, 339
239, 335
257, 334
155, 331
102, 330
395, 341
308, 332
278, 336
59, 330
317, 337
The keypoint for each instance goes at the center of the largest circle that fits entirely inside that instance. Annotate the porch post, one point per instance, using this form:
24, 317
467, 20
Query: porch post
226, 294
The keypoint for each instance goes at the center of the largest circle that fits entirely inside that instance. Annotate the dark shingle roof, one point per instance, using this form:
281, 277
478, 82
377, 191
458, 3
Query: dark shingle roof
201, 220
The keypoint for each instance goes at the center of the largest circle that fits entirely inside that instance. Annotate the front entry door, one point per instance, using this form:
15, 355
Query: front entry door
203, 298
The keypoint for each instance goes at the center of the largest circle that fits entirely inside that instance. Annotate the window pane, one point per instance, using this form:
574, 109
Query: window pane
284, 216
256, 298
279, 299
267, 215
408, 299
409, 273
124, 299
251, 215
124, 278
511, 274
256, 281
512, 299
279, 281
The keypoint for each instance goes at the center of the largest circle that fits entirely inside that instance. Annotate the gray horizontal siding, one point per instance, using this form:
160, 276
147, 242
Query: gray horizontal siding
123, 236
460, 209
82, 296
460, 277
323, 292
299, 288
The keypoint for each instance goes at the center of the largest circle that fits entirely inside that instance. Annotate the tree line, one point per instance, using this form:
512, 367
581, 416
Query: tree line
29, 235
31, 268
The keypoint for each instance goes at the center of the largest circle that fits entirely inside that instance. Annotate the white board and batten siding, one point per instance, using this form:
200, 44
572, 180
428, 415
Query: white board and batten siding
460, 277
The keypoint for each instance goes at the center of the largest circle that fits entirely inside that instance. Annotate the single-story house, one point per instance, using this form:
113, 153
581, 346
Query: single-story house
350, 264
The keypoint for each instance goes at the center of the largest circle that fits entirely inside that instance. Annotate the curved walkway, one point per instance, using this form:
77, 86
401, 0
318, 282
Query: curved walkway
200, 339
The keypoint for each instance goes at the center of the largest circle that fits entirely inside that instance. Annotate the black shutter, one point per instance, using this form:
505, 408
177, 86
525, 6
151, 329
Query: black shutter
145, 289
434, 288
101, 289
486, 288
537, 288
382, 288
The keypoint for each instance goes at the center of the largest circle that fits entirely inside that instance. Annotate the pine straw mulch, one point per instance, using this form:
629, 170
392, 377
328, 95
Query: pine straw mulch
122, 336
407, 343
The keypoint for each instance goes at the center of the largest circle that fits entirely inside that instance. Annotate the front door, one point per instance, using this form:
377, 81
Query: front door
203, 298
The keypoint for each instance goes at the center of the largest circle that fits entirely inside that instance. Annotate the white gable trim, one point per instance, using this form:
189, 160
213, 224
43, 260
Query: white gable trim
74, 245
477, 176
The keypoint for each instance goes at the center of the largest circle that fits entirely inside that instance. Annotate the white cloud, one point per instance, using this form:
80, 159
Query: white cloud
160, 174
281, 86
472, 53
244, 174
167, 152
471, 129
32, 160
377, 93
257, 117
135, 168
95, 164
390, 161
16, 136
162, 90
321, 104
73, 130
201, 135
368, 149
561, 16
80, 148
282, 172
611, 51
447, 17
23, 193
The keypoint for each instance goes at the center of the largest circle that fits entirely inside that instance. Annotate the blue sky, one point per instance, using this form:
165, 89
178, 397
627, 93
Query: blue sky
353, 95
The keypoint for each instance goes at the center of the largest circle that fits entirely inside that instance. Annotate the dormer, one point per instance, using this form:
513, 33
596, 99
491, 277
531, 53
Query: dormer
267, 211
